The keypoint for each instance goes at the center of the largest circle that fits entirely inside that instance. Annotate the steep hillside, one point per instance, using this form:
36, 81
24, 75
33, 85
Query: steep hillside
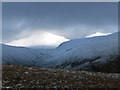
86, 54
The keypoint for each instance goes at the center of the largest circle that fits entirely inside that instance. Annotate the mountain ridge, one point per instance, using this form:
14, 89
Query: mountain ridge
74, 54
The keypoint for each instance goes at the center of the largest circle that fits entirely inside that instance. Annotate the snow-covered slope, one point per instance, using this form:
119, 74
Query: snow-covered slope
95, 49
23, 56
76, 54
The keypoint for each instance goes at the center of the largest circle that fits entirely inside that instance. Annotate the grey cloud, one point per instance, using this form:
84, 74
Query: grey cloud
67, 19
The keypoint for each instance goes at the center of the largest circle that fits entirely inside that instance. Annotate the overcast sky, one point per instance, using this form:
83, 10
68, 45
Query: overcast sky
42, 23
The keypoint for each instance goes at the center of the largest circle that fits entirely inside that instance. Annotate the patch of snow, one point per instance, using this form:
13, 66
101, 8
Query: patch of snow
97, 34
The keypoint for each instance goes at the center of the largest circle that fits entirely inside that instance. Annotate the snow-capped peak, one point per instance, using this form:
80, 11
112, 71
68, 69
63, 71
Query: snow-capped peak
97, 34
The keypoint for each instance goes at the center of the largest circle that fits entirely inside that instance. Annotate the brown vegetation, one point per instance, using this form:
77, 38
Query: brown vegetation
15, 76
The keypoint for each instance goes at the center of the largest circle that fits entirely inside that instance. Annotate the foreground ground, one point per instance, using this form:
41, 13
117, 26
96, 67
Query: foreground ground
33, 77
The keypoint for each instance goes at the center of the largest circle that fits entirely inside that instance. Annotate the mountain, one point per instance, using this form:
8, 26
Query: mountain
94, 54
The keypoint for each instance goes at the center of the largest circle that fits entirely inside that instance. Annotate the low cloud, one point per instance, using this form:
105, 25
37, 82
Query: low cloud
56, 22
